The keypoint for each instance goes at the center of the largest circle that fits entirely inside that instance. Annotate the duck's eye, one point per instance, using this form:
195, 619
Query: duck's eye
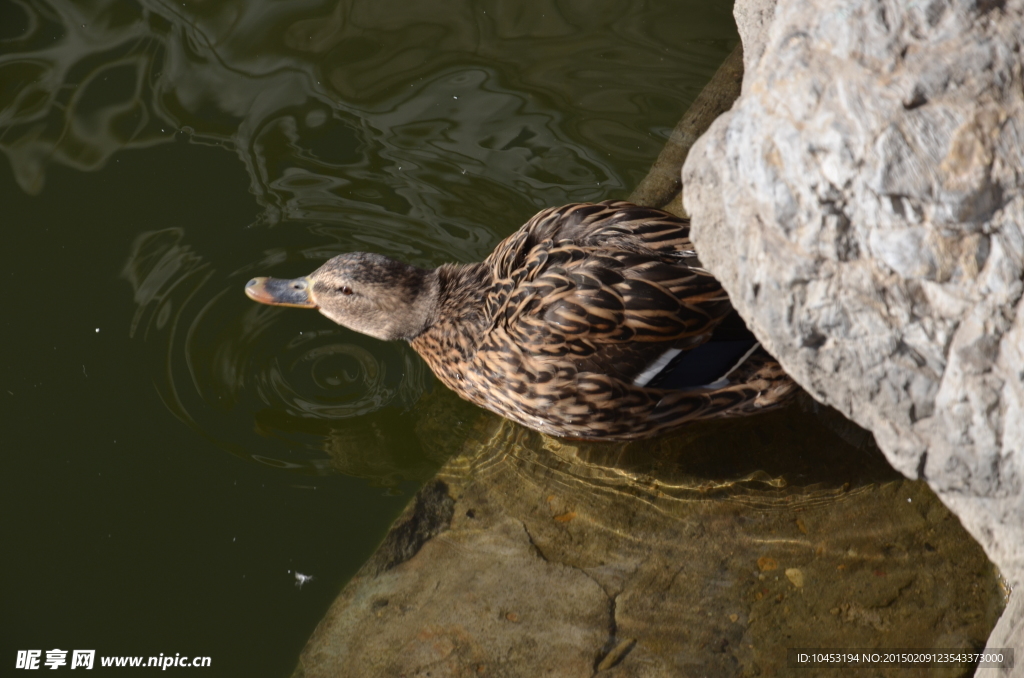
345, 289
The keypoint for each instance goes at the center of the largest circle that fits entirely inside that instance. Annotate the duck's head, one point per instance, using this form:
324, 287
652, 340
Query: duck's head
368, 293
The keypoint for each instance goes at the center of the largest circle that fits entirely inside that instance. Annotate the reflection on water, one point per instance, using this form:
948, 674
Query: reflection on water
372, 102
386, 126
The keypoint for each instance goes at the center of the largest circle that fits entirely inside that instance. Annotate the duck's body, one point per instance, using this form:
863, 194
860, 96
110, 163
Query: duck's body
582, 324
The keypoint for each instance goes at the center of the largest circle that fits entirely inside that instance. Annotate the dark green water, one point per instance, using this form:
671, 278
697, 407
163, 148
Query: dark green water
173, 453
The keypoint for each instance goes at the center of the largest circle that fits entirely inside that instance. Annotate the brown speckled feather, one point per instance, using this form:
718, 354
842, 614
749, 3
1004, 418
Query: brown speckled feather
554, 327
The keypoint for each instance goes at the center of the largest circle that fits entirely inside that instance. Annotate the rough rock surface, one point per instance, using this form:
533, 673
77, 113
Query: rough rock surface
862, 204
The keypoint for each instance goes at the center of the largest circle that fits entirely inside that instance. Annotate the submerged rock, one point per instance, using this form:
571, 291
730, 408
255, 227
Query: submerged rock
530, 556
863, 205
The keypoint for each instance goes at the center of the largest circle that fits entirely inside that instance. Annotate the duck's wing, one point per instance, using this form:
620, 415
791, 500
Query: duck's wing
618, 313
612, 225
610, 289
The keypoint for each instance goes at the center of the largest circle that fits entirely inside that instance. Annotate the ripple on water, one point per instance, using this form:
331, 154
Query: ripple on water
250, 376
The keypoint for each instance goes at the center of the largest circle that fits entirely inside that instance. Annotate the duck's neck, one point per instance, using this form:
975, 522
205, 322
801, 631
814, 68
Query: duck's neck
417, 311
456, 302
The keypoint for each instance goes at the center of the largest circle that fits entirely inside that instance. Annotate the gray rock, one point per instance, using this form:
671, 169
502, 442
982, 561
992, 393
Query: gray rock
752, 20
862, 204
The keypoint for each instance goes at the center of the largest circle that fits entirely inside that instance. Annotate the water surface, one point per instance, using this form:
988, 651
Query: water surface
174, 452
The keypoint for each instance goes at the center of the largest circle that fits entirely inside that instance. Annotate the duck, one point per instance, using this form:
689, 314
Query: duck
594, 321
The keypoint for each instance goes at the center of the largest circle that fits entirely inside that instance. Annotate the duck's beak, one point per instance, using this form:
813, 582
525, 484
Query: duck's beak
280, 292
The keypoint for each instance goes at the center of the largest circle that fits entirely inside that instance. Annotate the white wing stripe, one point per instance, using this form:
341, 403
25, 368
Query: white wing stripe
657, 366
724, 379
